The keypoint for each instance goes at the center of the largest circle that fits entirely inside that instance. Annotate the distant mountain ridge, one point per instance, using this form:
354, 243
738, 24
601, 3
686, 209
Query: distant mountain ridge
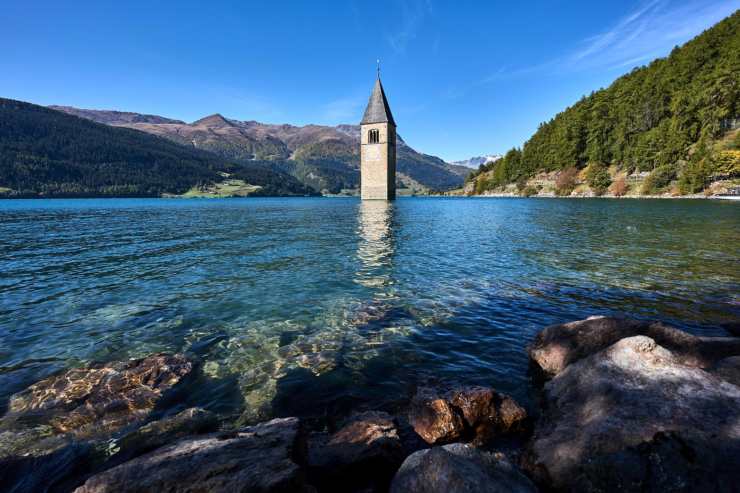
48, 153
322, 157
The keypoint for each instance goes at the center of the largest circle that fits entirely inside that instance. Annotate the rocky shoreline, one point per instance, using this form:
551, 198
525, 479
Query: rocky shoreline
625, 405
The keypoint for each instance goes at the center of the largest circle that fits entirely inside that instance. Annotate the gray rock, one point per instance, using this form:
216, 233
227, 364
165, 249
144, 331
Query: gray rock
458, 468
152, 435
638, 412
557, 346
728, 369
261, 458
365, 452
57, 470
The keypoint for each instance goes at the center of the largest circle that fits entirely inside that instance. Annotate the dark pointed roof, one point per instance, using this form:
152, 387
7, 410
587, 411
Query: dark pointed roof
377, 110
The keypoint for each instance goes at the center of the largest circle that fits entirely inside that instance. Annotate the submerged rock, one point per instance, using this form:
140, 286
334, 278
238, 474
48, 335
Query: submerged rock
365, 452
557, 346
636, 417
57, 470
478, 413
458, 468
191, 421
260, 458
99, 399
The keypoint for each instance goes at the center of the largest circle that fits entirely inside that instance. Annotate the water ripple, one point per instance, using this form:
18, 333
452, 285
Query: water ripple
303, 306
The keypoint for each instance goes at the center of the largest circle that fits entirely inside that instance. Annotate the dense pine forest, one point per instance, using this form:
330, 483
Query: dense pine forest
670, 118
47, 153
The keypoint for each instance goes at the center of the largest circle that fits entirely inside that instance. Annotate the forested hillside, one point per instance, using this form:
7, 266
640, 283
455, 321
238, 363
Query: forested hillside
48, 153
667, 118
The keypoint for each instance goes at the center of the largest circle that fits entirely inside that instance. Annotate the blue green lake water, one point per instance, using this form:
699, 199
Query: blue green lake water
310, 306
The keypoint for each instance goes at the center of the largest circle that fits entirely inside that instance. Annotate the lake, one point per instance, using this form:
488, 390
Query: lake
314, 306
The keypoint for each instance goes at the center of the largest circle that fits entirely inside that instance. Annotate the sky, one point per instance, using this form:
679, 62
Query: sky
463, 78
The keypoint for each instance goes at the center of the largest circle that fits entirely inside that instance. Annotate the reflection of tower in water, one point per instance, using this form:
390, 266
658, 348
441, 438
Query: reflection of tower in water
376, 244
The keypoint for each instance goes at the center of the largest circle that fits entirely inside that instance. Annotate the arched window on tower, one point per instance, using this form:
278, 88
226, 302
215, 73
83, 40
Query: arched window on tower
373, 136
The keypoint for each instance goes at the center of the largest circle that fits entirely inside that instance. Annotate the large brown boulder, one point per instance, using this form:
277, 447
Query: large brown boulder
433, 417
459, 468
557, 346
365, 452
636, 417
95, 401
475, 413
260, 458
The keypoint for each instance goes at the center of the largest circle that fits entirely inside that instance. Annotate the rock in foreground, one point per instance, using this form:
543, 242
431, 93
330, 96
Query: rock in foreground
478, 413
557, 346
191, 421
458, 468
260, 458
365, 452
100, 399
635, 417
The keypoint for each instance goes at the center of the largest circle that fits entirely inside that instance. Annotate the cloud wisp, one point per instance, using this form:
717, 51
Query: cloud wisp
342, 110
648, 32
413, 14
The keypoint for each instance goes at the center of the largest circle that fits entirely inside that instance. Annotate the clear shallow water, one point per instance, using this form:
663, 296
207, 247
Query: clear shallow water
313, 306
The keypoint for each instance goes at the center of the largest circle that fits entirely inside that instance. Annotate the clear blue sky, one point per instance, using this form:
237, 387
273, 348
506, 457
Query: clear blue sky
463, 78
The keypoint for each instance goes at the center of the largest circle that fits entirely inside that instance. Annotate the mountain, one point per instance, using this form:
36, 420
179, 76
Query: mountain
475, 162
48, 153
669, 118
322, 157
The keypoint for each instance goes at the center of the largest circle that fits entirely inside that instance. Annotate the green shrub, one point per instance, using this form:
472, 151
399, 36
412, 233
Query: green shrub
521, 185
528, 191
728, 163
695, 176
697, 173
597, 177
658, 180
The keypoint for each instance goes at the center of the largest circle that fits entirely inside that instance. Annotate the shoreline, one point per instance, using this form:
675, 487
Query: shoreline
450, 436
729, 198
605, 196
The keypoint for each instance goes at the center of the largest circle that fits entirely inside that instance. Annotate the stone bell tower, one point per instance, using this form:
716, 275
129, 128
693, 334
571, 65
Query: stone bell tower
378, 148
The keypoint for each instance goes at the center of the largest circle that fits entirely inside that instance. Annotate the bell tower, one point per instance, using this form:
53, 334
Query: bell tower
378, 148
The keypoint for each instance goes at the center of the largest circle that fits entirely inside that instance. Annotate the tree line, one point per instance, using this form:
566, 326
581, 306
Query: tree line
663, 118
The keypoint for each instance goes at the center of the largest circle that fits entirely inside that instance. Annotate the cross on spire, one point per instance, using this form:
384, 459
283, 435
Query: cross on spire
378, 68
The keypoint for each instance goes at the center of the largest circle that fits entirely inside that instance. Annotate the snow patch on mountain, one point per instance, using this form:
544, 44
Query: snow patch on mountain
476, 161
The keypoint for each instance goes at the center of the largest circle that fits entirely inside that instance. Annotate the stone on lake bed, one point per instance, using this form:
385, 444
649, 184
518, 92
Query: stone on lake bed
259, 458
478, 413
636, 417
100, 399
458, 468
